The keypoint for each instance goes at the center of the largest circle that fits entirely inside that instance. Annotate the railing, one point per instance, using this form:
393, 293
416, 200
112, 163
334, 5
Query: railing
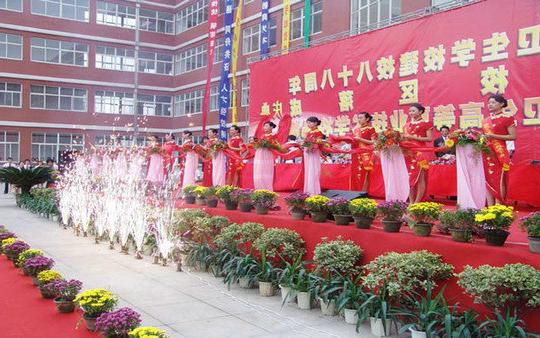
368, 28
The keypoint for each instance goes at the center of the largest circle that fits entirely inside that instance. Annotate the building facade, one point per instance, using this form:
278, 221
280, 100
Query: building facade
69, 77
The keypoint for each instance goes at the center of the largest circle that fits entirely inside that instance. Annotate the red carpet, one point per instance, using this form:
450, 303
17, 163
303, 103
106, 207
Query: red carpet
25, 314
375, 242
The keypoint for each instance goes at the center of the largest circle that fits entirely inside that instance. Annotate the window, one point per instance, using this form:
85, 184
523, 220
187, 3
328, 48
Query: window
222, 5
10, 95
250, 39
115, 58
109, 102
57, 98
218, 50
155, 63
10, 46
191, 59
9, 145
115, 15
244, 100
188, 103
154, 105
272, 28
191, 16
61, 52
214, 103
11, 5
65, 9
153, 21
48, 145
366, 15
297, 21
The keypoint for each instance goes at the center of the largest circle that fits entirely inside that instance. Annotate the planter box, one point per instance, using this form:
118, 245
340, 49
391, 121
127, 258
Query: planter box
351, 316
266, 289
304, 300
377, 328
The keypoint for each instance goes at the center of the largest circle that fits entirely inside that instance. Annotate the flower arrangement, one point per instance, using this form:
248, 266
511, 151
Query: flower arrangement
147, 332
96, 301
338, 206
337, 257
531, 224
495, 217
470, 135
36, 264
14, 249
23, 256
65, 290
118, 323
264, 198
296, 201
48, 276
317, 203
200, 191
266, 144
279, 243
224, 193
388, 139
392, 210
425, 212
215, 147
365, 207
188, 190
242, 195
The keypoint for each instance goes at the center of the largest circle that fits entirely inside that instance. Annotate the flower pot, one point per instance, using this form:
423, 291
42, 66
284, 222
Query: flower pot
245, 283
189, 199
246, 207
496, 237
200, 201
261, 210
534, 244
363, 222
377, 328
422, 229
304, 300
35, 281
351, 316
319, 216
90, 322
328, 308
12, 257
212, 203
417, 334
298, 215
64, 306
230, 205
266, 289
148, 250
391, 226
460, 235
287, 294
342, 219
46, 294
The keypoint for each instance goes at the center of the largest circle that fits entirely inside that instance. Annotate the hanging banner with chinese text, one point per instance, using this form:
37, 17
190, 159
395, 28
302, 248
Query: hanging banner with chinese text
224, 97
265, 29
236, 45
286, 27
213, 10
450, 62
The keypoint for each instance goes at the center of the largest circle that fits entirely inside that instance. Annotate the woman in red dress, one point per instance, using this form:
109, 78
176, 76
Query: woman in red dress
418, 133
498, 129
362, 164
169, 148
234, 168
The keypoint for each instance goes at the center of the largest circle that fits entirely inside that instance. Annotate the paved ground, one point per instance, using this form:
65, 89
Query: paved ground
186, 304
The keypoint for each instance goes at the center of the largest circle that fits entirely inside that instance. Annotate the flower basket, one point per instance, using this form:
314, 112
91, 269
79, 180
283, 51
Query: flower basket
317, 206
65, 292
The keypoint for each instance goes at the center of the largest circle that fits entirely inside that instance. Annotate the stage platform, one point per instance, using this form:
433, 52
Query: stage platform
376, 242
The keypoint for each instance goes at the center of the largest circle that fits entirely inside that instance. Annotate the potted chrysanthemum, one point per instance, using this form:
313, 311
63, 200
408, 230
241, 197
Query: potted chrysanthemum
339, 207
423, 215
363, 211
13, 250
297, 204
147, 331
65, 291
263, 200
189, 196
44, 278
392, 212
211, 198
531, 224
244, 198
117, 324
94, 302
495, 221
200, 195
26, 254
34, 265
317, 207
224, 193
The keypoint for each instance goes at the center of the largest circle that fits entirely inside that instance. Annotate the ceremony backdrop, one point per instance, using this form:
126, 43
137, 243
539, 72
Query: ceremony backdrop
450, 62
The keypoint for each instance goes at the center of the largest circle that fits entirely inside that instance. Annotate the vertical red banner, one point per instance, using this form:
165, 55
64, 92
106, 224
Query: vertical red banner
213, 12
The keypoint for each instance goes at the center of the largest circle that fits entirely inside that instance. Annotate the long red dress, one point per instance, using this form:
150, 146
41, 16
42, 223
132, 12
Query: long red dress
362, 163
497, 162
235, 165
168, 151
417, 160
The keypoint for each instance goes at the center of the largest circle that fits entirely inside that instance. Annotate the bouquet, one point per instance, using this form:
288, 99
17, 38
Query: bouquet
215, 147
388, 139
118, 323
363, 207
470, 135
154, 150
96, 301
266, 144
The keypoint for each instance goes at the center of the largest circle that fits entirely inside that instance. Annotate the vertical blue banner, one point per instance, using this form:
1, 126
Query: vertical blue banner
224, 97
265, 29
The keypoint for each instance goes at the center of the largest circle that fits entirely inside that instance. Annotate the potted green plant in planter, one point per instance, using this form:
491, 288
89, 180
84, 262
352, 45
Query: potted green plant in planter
211, 198
447, 220
148, 331
34, 265
118, 323
94, 302
380, 311
296, 204
243, 196
200, 195
224, 193
350, 298
495, 221
267, 276
507, 326
392, 212
280, 245
65, 291
241, 269
463, 225
13, 250
304, 286
339, 207
263, 200
328, 291
363, 211
317, 207
531, 224
423, 215
45, 277
337, 258
287, 278
189, 196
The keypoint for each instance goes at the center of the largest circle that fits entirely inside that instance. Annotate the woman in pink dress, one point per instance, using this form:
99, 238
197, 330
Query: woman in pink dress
155, 174
219, 160
312, 157
191, 159
263, 163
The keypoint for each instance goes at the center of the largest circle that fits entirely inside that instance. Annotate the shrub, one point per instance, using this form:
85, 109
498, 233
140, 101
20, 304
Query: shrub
284, 243
187, 219
531, 224
235, 237
337, 257
207, 228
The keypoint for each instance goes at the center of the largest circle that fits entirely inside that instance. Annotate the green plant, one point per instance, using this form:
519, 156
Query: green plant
200, 191
329, 288
224, 193
96, 301
392, 210
338, 206
296, 201
447, 221
352, 294
266, 271
188, 190
237, 237
317, 203
264, 198
531, 224
280, 243
305, 281
507, 326
460, 324
377, 305
198, 255
210, 193
406, 272
24, 179
207, 228
363, 207
337, 257
187, 219
502, 287
241, 267
288, 275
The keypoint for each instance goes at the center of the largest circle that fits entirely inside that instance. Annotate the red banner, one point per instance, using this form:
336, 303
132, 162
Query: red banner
213, 13
450, 62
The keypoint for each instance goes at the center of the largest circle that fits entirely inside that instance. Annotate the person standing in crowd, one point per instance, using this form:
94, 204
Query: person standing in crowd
312, 157
8, 164
292, 139
155, 174
26, 164
169, 148
440, 142
191, 159
263, 163
362, 163
498, 129
51, 176
418, 133
236, 144
214, 148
